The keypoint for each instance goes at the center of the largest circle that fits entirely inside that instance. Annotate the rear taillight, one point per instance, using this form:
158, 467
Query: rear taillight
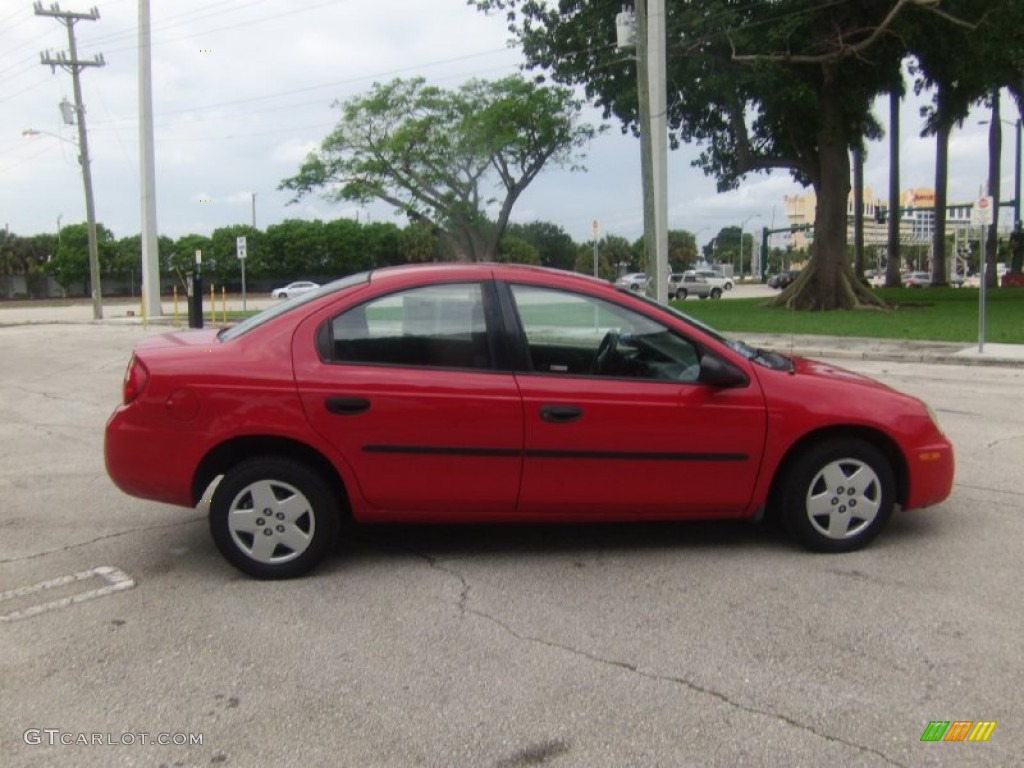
135, 380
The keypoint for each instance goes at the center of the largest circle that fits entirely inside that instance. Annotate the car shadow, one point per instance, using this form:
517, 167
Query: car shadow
540, 538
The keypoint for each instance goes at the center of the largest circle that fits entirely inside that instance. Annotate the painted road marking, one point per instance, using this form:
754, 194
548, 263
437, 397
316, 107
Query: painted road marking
116, 579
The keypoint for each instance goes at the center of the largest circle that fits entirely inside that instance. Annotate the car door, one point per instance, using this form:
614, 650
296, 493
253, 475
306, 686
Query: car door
632, 433
404, 385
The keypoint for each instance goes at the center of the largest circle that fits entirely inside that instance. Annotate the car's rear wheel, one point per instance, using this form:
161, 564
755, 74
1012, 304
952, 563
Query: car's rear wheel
838, 495
681, 293
273, 518
716, 293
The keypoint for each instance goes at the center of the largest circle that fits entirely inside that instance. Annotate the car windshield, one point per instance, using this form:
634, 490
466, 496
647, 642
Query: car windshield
226, 334
763, 357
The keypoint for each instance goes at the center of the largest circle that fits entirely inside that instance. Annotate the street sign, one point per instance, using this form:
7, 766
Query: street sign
595, 229
240, 247
981, 212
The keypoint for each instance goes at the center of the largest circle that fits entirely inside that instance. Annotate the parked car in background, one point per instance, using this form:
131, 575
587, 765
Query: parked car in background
782, 279
917, 280
294, 289
715, 278
634, 281
689, 283
482, 393
876, 279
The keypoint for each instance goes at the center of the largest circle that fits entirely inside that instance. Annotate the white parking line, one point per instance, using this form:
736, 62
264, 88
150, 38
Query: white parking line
116, 579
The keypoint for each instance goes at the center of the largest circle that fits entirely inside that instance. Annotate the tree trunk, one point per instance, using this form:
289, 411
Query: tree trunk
828, 282
995, 151
893, 256
938, 266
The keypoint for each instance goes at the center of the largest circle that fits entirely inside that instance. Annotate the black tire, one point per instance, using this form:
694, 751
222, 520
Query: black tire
838, 495
716, 293
294, 531
728, 286
681, 294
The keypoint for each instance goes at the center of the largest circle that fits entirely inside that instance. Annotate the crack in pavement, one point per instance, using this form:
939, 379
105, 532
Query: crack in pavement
1009, 438
79, 544
462, 604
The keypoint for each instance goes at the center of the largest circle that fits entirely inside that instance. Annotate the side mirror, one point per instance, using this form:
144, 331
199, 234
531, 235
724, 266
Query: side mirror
716, 372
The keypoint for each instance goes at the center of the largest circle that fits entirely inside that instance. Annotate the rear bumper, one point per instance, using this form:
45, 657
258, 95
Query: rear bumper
148, 463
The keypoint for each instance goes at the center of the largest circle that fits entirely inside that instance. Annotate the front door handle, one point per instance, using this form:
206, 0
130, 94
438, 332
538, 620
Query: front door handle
559, 414
346, 406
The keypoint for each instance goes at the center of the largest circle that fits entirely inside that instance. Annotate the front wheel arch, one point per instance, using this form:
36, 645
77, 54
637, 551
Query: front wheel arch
879, 439
839, 496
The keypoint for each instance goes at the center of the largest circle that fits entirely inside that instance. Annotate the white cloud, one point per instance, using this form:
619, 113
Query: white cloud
243, 91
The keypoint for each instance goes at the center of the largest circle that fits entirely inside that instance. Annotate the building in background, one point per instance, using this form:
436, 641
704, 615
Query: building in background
917, 224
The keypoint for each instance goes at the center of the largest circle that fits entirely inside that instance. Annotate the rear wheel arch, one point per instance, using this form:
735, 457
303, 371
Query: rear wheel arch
232, 452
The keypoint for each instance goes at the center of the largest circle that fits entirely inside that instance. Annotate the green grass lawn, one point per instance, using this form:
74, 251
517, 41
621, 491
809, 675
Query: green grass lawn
926, 314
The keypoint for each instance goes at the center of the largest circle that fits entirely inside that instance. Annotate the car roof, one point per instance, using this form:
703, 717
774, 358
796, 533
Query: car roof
481, 270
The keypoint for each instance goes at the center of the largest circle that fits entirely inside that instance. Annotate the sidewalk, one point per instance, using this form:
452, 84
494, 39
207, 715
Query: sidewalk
944, 352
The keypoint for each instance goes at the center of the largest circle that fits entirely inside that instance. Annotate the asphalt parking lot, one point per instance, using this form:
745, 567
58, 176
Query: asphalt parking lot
661, 645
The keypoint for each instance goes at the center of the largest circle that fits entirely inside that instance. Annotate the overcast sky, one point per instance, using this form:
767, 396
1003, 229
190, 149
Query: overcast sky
242, 90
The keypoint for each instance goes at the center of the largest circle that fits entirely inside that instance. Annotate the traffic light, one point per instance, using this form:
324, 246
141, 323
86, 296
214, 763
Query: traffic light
881, 213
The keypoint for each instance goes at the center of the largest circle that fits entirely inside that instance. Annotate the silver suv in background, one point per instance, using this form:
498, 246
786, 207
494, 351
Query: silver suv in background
692, 283
714, 277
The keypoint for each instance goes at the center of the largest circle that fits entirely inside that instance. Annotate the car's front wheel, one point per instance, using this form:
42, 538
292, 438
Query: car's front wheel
716, 293
838, 495
273, 518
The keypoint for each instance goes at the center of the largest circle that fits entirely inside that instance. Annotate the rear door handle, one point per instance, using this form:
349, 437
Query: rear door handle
346, 406
560, 414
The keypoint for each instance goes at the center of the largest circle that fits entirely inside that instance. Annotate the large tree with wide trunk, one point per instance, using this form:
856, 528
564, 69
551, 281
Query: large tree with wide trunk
760, 86
446, 158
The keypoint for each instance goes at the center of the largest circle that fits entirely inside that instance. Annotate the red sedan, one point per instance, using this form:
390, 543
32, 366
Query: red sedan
486, 392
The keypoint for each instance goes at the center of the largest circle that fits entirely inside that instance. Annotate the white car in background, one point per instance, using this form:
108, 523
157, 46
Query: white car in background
634, 281
294, 289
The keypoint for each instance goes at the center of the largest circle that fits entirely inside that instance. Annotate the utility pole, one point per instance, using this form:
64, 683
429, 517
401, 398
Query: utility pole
658, 126
74, 65
147, 166
644, 30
